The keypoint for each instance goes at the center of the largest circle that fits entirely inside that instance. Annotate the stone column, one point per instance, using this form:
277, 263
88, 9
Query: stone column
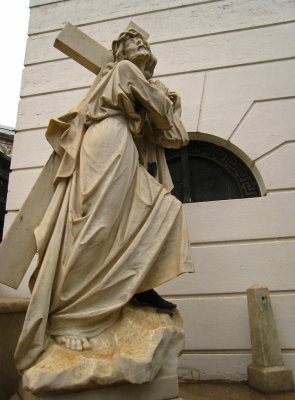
267, 373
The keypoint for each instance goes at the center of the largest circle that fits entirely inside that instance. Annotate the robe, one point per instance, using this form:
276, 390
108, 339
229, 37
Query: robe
111, 229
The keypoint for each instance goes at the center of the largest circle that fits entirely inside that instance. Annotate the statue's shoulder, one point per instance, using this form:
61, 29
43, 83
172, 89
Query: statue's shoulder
126, 65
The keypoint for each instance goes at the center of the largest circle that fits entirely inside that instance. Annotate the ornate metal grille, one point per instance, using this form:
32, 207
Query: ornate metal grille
203, 171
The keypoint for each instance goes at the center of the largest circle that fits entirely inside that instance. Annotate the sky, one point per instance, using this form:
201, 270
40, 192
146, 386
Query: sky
14, 17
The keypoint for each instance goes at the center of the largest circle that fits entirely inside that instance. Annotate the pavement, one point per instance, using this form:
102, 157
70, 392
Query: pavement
226, 391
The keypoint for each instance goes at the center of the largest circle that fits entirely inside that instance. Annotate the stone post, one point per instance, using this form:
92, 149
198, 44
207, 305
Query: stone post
267, 373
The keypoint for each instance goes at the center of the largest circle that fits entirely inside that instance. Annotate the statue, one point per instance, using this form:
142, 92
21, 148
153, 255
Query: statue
112, 231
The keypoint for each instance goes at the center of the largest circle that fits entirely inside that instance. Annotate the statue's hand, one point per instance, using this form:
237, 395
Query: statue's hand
161, 85
173, 96
74, 342
176, 100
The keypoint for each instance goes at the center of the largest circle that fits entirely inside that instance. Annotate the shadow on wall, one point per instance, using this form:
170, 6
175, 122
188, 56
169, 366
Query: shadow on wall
12, 315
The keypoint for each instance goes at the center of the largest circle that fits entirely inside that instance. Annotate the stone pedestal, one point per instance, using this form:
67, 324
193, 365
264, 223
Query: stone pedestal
270, 379
135, 358
159, 389
96, 395
267, 373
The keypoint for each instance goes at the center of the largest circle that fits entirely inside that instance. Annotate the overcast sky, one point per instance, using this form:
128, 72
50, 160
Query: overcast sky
13, 33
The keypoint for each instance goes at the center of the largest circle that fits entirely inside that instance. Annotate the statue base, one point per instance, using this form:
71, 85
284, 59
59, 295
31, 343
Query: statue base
136, 357
161, 388
270, 379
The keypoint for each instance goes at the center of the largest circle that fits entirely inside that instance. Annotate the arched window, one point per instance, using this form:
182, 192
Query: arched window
203, 171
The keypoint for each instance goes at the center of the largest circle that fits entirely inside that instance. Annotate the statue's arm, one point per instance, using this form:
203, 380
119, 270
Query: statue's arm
151, 97
176, 136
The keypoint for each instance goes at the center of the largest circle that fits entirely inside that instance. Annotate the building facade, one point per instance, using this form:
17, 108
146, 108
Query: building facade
232, 62
6, 144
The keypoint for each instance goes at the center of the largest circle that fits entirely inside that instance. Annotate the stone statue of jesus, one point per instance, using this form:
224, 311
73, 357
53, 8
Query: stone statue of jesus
112, 231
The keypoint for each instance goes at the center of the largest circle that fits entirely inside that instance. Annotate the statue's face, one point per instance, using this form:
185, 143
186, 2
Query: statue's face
135, 49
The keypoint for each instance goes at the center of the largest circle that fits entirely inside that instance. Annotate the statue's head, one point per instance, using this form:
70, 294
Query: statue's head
132, 46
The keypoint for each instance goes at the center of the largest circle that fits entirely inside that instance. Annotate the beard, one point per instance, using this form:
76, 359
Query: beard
140, 56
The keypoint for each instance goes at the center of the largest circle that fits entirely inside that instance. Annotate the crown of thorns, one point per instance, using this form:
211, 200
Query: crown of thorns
118, 51
126, 35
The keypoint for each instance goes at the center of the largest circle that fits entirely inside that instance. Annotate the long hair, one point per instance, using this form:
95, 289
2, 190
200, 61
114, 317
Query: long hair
118, 51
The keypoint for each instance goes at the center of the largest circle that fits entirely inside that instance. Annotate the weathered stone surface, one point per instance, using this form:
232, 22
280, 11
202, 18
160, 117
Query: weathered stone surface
108, 276
13, 304
161, 388
264, 339
281, 163
141, 346
270, 216
83, 49
193, 20
228, 91
19, 245
12, 314
235, 48
269, 118
270, 379
267, 373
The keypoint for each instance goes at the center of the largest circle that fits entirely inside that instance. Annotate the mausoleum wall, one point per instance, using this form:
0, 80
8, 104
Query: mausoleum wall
232, 62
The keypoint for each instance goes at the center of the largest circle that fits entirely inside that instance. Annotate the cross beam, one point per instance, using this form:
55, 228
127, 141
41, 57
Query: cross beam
85, 50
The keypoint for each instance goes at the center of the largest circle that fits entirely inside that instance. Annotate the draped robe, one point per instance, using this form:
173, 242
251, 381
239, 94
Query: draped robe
111, 229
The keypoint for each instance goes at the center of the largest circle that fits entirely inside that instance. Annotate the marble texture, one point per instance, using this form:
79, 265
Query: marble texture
141, 346
83, 49
108, 230
19, 245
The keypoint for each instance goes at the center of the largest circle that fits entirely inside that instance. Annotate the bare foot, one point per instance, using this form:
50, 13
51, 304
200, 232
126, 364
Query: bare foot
74, 342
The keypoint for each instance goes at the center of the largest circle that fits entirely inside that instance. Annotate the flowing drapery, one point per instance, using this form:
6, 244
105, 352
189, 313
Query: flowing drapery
111, 229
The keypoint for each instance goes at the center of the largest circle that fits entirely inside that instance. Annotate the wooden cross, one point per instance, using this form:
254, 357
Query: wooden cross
19, 246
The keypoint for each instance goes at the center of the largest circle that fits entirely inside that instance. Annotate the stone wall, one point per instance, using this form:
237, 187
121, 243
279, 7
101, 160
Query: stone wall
233, 64
6, 140
6, 144
12, 314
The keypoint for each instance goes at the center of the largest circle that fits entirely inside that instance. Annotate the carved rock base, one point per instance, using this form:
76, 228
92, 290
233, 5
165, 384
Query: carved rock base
141, 346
